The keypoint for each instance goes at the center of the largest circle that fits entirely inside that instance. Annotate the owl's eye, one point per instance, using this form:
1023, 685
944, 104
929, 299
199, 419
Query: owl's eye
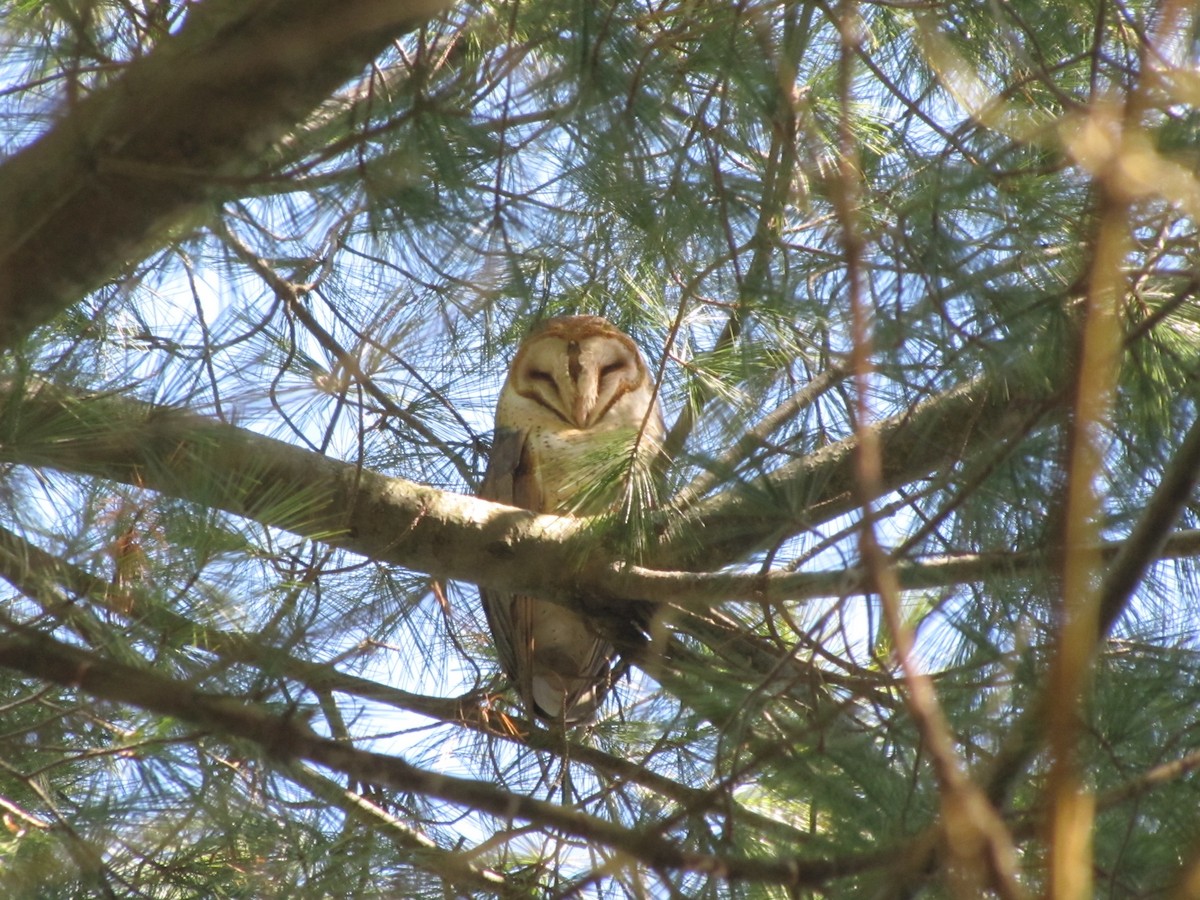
539, 375
611, 369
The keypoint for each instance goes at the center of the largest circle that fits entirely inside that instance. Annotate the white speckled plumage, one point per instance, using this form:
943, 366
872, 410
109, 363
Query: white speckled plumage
577, 402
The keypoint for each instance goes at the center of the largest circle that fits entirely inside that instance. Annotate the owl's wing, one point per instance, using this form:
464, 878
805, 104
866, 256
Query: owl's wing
511, 479
511, 476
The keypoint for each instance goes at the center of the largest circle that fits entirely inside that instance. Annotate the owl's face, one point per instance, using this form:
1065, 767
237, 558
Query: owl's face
582, 373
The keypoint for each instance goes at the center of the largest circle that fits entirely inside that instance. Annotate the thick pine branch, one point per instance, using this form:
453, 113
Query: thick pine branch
463, 538
185, 125
937, 433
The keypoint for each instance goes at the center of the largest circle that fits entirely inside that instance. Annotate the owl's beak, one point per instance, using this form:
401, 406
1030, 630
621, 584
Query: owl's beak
586, 386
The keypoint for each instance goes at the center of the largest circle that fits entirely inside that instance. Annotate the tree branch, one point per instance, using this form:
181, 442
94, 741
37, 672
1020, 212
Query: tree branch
47, 579
136, 158
451, 865
286, 739
937, 432
278, 484
1126, 571
700, 590
452, 536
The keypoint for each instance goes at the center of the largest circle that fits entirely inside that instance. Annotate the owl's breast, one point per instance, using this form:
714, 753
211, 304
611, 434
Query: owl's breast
581, 470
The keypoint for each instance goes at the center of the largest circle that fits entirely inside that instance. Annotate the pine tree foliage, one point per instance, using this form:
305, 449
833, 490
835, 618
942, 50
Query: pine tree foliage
918, 284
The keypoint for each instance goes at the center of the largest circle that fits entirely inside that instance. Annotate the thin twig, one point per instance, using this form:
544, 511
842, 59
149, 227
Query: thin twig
979, 849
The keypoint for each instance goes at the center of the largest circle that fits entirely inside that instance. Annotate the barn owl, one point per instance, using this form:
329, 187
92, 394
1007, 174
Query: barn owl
577, 411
